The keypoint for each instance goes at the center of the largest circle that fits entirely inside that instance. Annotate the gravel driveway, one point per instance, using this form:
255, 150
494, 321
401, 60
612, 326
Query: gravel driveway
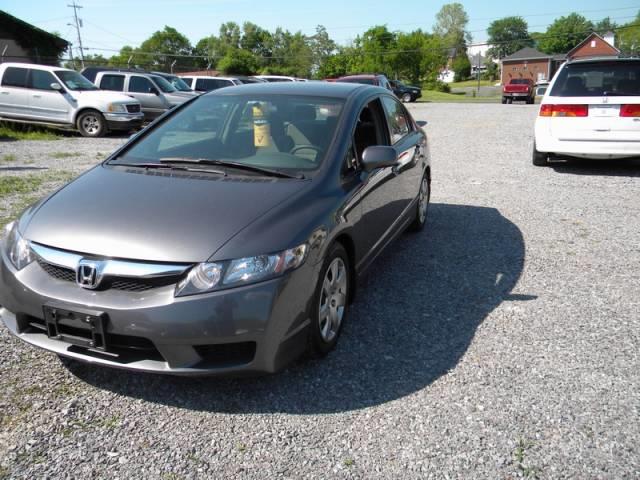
500, 343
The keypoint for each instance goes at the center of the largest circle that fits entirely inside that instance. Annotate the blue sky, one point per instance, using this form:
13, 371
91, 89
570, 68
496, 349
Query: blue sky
110, 24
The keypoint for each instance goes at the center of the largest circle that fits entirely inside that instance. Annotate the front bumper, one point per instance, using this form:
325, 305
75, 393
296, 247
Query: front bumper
124, 121
256, 328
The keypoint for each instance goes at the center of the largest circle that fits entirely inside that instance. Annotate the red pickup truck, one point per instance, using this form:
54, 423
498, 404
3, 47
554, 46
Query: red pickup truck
519, 89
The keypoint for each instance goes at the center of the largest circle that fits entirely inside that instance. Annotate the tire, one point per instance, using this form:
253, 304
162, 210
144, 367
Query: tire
504, 100
91, 123
539, 159
406, 98
509, 101
531, 101
422, 209
331, 302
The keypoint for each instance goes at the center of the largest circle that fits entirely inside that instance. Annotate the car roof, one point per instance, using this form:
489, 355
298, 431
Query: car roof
315, 89
362, 75
602, 59
48, 68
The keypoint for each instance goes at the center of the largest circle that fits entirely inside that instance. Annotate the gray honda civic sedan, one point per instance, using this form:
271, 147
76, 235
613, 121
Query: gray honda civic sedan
227, 237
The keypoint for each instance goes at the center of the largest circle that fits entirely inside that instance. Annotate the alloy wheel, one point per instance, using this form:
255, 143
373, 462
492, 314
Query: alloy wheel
91, 124
333, 300
423, 200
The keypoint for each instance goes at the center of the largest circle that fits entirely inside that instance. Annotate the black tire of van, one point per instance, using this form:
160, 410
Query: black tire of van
539, 159
91, 123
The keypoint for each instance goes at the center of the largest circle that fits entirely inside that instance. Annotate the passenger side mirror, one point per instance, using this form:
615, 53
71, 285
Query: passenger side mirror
422, 123
56, 86
378, 156
154, 90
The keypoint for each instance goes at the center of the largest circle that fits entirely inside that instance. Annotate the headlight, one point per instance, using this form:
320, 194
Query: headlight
116, 108
208, 277
17, 248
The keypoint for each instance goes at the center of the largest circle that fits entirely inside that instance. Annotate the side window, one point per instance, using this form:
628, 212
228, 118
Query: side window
369, 129
351, 164
15, 77
140, 85
399, 125
204, 84
188, 81
41, 80
112, 82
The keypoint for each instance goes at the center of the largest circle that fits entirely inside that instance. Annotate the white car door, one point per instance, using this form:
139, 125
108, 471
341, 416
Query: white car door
14, 95
47, 104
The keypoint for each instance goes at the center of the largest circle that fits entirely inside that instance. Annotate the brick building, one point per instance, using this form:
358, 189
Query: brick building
540, 67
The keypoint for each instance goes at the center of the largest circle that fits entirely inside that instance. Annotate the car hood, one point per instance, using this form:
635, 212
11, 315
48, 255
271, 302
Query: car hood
178, 97
153, 215
103, 95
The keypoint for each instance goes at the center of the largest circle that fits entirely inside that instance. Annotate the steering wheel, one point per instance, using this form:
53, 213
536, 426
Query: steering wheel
297, 148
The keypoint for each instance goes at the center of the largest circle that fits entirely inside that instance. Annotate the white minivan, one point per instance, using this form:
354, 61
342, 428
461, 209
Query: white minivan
590, 110
61, 97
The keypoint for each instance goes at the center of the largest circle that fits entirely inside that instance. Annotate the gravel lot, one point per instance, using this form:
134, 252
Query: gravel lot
500, 343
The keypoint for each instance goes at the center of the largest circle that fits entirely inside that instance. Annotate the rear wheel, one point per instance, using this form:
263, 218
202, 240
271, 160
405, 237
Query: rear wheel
539, 159
331, 304
406, 98
504, 100
91, 123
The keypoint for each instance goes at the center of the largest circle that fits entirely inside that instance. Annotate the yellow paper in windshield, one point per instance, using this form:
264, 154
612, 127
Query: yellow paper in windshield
261, 127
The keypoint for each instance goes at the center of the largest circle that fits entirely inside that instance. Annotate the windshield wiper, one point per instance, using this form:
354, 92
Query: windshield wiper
151, 165
226, 163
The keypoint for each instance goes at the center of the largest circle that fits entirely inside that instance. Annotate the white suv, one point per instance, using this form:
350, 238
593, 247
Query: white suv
590, 110
63, 98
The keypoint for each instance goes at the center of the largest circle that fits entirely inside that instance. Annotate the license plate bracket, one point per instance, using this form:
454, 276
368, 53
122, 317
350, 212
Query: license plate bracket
81, 327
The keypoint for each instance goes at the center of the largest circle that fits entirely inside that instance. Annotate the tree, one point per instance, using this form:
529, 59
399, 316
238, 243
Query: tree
508, 35
629, 37
605, 25
377, 48
238, 62
322, 47
462, 68
419, 56
451, 24
168, 41
565, 33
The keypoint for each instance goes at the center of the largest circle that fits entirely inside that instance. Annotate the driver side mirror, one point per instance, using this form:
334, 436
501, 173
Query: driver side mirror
378, 156
422, 123
56, 86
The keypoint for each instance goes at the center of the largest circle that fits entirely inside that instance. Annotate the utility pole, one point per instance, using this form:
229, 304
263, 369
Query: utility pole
75, 7
478, 72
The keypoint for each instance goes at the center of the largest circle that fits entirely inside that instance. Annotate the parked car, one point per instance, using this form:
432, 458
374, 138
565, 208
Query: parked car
590, 110
219, 240
280, 78
155, 94
406, 93
177, 83
63, 98
244, 79
206, 84
518, 89
367, 79
541, 88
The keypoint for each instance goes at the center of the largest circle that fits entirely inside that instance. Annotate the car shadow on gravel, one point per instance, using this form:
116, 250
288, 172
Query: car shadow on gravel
601, 168
413, 320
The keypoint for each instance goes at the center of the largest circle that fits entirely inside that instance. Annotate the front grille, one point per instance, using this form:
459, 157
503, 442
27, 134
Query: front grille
133, 108
60, 273
125, 284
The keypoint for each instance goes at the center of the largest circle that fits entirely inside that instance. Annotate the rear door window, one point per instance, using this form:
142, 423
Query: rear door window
15, 77
598, 79
112, 82
140, 85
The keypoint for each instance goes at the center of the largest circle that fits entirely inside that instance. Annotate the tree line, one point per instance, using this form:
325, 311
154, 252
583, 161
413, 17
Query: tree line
417, 56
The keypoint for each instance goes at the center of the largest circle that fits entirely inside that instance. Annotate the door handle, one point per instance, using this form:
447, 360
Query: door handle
37, 96
4, 93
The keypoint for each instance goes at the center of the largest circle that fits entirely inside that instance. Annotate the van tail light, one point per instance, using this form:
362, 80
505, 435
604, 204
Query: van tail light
630, 110
548, 110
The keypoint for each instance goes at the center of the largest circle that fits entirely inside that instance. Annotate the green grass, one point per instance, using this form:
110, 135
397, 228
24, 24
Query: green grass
473, 83
13, 184
19, 131
65, 154
433, 96
8, 158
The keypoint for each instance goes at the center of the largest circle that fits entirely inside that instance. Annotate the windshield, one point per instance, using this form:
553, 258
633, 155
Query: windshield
179, 84
280, 132
598, 79
165, 86
520, 81
74, 81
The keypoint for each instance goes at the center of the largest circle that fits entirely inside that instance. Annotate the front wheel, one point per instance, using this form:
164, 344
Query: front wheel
422, 209
92, 124
331, 303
